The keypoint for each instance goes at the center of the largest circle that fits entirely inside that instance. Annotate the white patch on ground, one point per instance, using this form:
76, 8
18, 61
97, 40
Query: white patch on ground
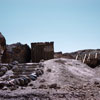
80, 69
31, 63
66, 70
75, 67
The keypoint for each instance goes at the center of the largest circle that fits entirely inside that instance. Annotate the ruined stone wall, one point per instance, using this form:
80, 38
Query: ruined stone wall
41, 51
17, 52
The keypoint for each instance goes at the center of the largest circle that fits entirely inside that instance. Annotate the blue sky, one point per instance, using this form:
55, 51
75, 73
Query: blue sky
71, 24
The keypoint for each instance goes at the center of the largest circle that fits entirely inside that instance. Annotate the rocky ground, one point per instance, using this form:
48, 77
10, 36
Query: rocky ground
62, 79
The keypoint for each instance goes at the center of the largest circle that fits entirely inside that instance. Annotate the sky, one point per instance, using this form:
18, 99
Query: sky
72, 24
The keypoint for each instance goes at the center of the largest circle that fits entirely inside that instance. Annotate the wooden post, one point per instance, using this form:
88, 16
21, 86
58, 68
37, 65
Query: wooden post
96, 55
76, 57
88, 56
84, 58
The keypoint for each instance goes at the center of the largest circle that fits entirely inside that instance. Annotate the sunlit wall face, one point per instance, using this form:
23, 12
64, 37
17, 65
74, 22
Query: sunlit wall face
71, 24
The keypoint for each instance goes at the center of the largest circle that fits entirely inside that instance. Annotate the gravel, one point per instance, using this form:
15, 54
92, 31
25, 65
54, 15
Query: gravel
63, 79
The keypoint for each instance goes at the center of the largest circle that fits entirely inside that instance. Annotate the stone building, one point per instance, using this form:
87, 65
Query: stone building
41, 51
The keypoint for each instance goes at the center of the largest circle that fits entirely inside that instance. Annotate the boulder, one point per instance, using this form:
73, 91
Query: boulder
16, 68
55, 86
3, 70
1, 85
17, 52
10, 66
39, 72
1, 73
21, 81
93, 62
2, 45
26, 80
33, 76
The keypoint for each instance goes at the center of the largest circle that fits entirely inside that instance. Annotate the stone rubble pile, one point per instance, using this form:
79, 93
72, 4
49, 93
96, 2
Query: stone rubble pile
19, 79
24, 80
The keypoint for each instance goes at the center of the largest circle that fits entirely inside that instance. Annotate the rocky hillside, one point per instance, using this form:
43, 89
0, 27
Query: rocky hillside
61, 79
91, 57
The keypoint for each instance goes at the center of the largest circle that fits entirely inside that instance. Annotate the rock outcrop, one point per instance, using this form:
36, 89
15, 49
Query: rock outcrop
2, 45
17, 52
63, 55
90, 56
57, 54
67, 55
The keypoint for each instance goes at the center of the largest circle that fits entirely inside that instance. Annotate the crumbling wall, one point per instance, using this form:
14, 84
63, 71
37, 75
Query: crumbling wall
17, 52
41, 51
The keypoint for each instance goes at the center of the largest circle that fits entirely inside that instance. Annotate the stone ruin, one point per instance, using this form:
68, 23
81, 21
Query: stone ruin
41, 51
14, 75
17, 52
21, 74
23, 53
15, 59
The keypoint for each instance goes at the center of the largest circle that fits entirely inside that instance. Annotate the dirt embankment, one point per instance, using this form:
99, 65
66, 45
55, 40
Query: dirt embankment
63, 79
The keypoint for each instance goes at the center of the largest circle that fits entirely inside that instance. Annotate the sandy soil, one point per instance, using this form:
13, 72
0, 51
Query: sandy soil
63, 79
